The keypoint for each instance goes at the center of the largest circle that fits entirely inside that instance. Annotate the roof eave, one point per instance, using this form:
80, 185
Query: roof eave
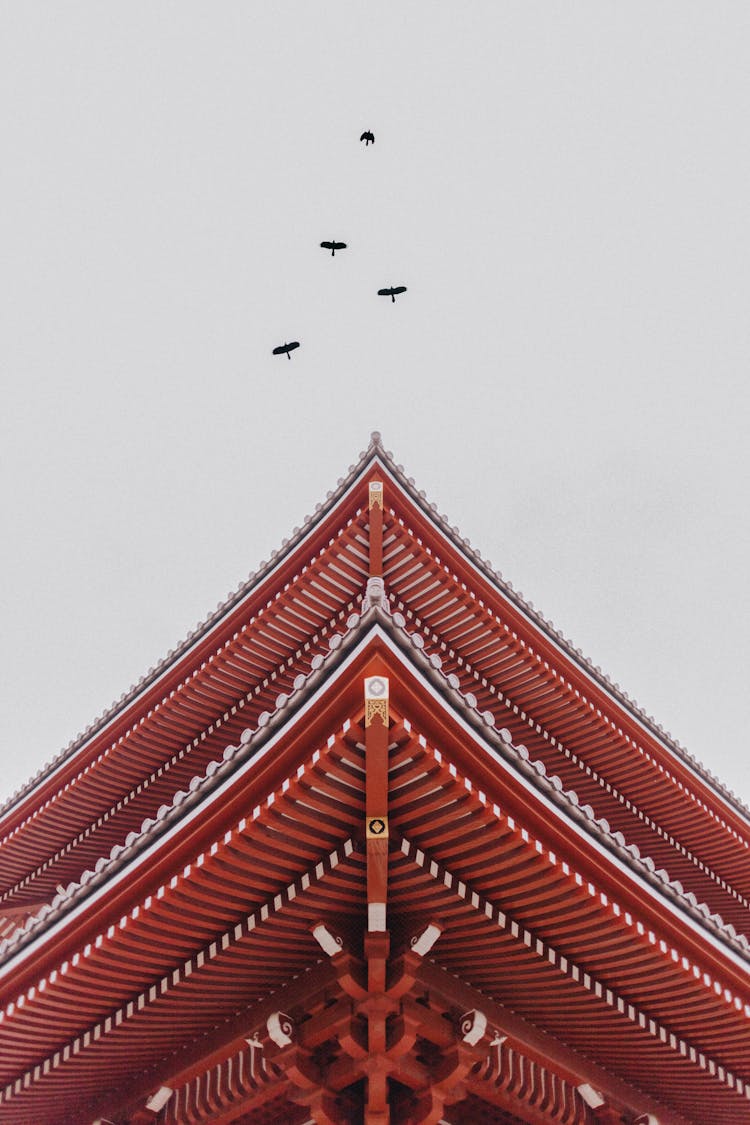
202, 630
593, 673
375, 622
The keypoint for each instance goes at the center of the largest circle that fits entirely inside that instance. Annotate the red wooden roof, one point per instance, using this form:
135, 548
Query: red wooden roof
590, 879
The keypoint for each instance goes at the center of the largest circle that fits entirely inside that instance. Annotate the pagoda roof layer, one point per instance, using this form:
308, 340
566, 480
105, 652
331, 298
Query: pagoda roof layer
598, 949
494, 646
349, 575
442, 685
168, 886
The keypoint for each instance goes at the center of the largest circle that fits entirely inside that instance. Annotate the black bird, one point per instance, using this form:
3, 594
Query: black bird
392, 292
285, 349
368, 138
333, 247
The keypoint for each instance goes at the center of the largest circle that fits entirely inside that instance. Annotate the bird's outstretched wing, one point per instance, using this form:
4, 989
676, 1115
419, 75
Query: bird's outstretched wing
339, 246
399, 289
284, 349
367, 136
329, 245
384, 292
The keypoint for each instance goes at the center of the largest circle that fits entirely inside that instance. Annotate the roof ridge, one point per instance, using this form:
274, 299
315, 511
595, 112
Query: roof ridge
202, 627
506, 588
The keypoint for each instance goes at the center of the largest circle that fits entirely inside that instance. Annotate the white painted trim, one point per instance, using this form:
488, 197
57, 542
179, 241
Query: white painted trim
376, 917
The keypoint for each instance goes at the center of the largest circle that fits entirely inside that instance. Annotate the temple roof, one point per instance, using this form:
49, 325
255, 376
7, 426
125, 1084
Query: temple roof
166, 881
252, 742
274, 825
375, 454
267, 636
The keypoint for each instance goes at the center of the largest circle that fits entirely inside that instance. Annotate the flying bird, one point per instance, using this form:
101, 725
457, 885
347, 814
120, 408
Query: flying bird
368, 138
392, 292
285, 349
333, 247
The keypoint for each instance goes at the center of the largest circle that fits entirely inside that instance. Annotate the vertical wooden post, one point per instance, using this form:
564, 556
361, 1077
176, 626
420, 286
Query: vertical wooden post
376, 800
377, 939
375, 507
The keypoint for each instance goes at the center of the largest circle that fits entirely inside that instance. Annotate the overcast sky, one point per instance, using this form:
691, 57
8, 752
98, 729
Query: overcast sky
564, 189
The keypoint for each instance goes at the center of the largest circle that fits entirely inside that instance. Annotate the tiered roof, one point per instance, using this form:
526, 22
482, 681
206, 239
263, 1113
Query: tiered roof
161, 879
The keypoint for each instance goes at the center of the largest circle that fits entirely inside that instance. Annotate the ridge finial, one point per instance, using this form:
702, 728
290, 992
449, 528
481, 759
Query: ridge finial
375, 595
376, 438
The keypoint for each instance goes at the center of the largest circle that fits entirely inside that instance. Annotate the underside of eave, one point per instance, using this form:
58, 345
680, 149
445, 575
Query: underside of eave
201, 640
426, 692
414, 874
226, 720
477, 570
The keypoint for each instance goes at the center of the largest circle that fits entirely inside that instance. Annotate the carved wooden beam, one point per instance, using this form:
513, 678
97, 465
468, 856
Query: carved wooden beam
541, 1048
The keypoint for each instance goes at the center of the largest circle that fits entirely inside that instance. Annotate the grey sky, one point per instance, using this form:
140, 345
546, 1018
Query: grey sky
562, 187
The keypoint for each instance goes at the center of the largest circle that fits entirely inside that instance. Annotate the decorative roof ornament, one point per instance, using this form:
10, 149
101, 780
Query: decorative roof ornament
375, 496
376, 699
375, 595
